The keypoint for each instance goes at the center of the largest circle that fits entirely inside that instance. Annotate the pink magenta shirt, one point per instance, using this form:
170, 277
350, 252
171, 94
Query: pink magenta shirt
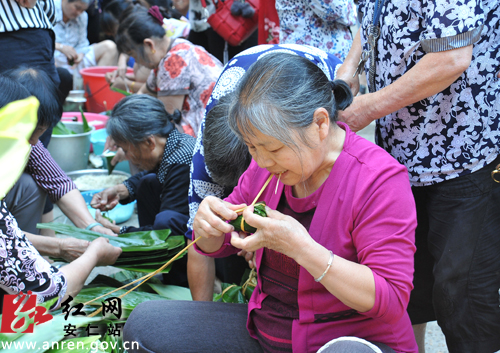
365, 214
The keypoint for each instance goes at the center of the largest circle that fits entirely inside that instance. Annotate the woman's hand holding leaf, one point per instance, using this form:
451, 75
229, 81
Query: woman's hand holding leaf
105, 253
210, 219
277, 231
72, 248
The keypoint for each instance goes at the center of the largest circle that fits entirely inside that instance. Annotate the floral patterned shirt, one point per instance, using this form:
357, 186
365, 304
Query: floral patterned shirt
201, 183
323, 24
456, 131
189, 70
22, 268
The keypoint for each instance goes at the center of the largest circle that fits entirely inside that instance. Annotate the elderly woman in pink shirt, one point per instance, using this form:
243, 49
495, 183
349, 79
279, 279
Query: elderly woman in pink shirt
334, 256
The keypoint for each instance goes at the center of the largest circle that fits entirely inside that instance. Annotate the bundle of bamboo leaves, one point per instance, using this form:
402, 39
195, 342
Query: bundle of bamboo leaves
142, 251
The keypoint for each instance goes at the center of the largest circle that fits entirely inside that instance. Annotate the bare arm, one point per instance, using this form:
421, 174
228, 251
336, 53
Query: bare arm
73, 206
431, 75
99, 253
68, 249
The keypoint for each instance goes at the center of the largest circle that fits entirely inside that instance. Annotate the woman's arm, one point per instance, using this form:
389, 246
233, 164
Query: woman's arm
74, 207
431, 75
99, 253
68, 249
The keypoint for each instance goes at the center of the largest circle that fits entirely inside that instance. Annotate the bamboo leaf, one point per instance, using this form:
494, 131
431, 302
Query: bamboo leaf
61, 129
86, 127
125, 93
171, 292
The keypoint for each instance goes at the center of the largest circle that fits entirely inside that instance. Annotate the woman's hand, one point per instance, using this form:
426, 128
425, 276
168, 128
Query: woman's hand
358, 115
106, 199
107, 228
277, 231
110, 227
69, 52
71, 248
210, 220
249, 257
105, 253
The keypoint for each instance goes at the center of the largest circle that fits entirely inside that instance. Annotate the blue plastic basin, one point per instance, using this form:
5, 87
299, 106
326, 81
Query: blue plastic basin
121, 213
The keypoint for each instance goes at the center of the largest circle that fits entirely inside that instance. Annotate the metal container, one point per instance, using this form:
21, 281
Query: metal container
75, 100
71, 152
78, 173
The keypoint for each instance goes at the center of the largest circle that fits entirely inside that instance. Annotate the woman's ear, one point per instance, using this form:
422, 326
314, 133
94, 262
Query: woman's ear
149, 43
151, 142
322, 120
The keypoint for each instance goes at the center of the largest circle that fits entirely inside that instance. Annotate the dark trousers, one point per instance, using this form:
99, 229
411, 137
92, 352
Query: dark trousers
209, 327
457, 262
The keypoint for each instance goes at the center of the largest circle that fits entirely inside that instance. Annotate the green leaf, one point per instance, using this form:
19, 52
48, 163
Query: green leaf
129, 302
259, 209
231, 295
86, 127
61, 129
142, 251
125, 93
171, 292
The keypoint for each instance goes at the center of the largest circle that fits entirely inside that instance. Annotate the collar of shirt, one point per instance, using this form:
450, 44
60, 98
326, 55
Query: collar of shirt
173, 143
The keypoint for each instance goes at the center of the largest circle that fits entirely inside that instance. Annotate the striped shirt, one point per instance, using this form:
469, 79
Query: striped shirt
47, 174
14, 17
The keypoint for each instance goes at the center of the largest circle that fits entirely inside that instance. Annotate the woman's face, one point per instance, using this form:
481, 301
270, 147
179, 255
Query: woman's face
277, 158
140, 155
72, 10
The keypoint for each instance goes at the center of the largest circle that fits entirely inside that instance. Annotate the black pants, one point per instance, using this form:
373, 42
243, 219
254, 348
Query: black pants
457, 262
209, 327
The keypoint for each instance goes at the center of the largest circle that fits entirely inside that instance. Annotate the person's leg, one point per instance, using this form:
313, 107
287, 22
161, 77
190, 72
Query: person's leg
420, 307
106, 53
464, 222
201, 275
25, 201
187, 326
349, 344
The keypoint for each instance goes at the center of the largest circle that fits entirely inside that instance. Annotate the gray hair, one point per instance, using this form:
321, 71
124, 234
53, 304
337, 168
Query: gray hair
278, 96
226, 156
137, 117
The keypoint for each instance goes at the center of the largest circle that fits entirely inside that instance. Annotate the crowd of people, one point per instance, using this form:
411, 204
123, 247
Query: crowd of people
363, 243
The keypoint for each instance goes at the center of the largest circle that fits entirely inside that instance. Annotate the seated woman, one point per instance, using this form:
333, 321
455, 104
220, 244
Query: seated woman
110, 20
221, 158
183, 75
23, 267
334, 255
42, 175
72, 45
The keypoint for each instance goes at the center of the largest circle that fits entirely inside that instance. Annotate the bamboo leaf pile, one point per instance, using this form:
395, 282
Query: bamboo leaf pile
142, 251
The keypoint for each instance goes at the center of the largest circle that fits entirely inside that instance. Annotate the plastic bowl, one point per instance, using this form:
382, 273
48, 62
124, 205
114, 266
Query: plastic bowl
121, 213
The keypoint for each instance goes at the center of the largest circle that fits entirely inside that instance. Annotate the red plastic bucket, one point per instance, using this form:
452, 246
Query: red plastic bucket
100, 97
96, 120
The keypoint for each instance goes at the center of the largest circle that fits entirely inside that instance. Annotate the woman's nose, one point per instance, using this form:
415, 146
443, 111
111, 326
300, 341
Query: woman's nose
264, 160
